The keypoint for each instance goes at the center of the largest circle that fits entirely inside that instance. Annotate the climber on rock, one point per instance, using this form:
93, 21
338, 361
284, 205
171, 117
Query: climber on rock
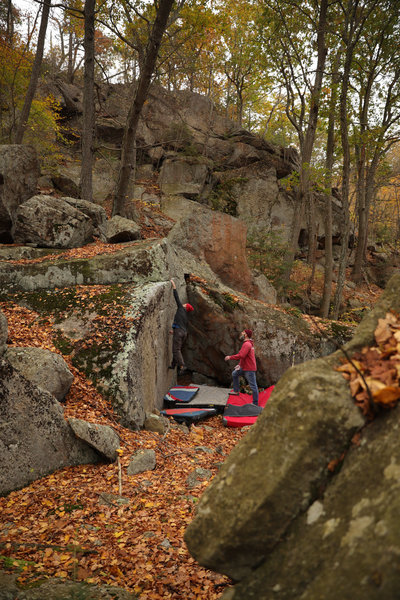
179, 331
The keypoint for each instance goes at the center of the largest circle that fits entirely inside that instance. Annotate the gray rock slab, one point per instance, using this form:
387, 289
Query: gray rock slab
118, 230
35, 439
58, 589
101, 437
140, 262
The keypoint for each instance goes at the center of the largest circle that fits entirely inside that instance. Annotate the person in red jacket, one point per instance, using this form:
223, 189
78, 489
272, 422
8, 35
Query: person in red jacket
247, 365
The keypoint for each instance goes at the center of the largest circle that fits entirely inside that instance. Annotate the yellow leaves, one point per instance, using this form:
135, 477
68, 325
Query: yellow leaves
118, 533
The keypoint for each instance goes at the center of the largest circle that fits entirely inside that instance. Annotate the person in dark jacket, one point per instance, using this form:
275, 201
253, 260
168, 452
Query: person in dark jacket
247, 365
179, 331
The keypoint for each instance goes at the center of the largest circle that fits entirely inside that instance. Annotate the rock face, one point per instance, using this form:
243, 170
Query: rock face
274, 518
186, 176
192, 151
51, 223
280, 339
139, 374
214, 238
43, 368
35, 439
19, 173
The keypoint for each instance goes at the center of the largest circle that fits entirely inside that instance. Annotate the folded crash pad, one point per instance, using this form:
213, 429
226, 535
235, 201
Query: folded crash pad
189, 415
240, 410
180, 393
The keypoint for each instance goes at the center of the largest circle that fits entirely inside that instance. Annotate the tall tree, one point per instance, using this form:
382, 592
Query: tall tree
355, 16
292, 36
86, 181
128, 158
377, 85
329, 162
23, 121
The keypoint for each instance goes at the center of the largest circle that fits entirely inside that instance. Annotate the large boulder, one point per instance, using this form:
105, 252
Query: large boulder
50, 222
276, 519
19, 173
94, 211
346, 545
43, 368
275, 473
35, 439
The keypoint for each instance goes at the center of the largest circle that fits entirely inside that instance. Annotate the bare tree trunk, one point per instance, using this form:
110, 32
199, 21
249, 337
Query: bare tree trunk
303, 199
86, 180
344, 134
70, 66
10, 22
35, 74
330, 146
312, 125
128, 158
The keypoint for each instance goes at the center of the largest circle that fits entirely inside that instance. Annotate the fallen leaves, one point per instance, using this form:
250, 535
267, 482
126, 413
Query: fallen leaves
374, 373
57, 527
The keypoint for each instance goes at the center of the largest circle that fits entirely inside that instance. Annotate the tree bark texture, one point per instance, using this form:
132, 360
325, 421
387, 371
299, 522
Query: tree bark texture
86, 179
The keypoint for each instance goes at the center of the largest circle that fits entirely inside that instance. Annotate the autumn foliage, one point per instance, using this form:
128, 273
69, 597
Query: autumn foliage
374, 373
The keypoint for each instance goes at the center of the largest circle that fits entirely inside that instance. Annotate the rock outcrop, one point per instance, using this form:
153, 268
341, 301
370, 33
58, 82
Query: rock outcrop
35, 439
43, 368
189, 150
50, 222
148, 260
214, 238
19, 173
276, 519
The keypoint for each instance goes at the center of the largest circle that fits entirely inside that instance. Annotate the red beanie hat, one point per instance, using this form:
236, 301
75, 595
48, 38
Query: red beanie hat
189, 307
249, 333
